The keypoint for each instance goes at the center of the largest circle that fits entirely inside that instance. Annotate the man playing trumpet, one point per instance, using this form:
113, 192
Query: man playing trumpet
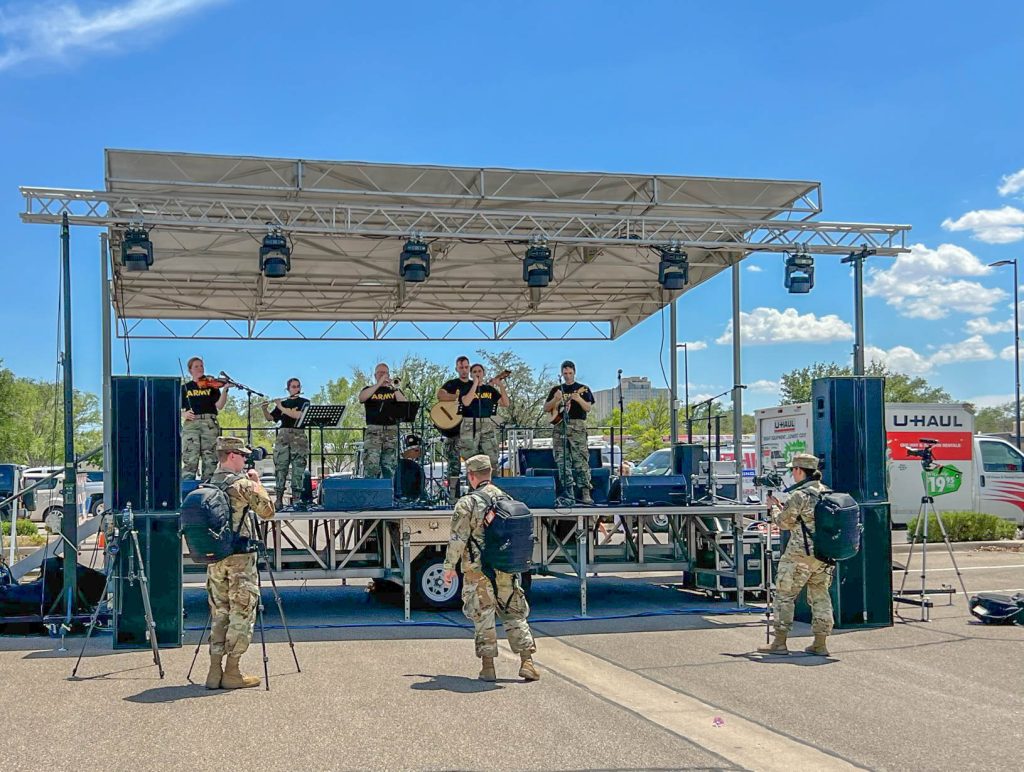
380, 445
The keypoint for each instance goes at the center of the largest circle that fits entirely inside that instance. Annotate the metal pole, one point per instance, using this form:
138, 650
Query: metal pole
674, 391
858, 312
1016, 347
69, 523
737, 397
108, 482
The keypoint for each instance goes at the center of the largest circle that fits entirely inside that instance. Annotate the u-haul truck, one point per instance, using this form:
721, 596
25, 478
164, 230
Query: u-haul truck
974, 472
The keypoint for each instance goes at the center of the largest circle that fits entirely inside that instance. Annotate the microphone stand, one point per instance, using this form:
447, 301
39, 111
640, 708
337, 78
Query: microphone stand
249, 392
709, 402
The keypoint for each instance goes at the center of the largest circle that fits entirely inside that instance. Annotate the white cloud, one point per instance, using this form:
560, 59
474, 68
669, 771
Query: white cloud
763, 386
990, 400
1007, 354
982, 326
755, 269
770, 325
993, 226
904, 359
52, 30
921, 283
695, 345
1012, 183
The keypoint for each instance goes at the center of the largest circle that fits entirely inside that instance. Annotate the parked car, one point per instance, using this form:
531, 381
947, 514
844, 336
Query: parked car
50, 495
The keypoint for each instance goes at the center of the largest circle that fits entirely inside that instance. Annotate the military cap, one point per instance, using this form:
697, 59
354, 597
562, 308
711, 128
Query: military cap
232, 445
804, 461
480, 463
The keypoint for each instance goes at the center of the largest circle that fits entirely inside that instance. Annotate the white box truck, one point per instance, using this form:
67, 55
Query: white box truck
975, 472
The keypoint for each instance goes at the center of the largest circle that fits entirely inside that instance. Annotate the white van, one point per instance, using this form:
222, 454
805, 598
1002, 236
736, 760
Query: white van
50, 495
977, 473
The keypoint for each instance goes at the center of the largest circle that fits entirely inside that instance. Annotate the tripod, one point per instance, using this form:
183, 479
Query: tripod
261, 555
921, 531
127, 526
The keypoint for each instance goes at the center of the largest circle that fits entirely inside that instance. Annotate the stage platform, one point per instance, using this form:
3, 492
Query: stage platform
406, 546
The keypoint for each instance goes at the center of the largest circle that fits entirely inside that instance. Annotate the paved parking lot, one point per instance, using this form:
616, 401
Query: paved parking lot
664, 691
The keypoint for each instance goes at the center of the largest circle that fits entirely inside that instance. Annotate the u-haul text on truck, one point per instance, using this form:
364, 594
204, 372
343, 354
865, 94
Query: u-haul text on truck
973, 472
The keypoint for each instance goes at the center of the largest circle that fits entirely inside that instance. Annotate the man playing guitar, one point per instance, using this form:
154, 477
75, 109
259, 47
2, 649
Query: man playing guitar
478, 432
452, 392
572, 401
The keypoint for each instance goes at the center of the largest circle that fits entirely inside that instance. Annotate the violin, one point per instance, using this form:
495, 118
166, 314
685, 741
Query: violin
209, 382
500, 377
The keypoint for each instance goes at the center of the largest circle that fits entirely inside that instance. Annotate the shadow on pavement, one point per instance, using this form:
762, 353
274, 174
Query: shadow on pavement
456, 684
800, 659
173, 694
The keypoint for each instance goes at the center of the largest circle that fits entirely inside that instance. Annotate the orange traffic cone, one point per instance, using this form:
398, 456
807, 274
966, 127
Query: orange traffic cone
101, 543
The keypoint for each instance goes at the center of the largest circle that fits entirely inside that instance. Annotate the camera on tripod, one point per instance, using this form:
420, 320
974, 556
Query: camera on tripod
258, 454
770, 479
926, 454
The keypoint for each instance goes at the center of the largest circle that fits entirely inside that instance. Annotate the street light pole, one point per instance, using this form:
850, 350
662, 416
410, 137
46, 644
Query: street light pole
1016, 342
686, 382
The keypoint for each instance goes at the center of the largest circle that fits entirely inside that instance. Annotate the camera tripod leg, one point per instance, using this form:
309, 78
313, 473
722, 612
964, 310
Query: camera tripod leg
949, 548
263, 637
280, 611
195, 656
910, 553
147, 607
95, 616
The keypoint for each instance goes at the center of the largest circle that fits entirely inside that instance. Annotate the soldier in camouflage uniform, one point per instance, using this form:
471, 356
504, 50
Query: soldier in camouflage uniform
479, 429
479, 603
380, 442
232, 584
200, 404
569, 440
452, 391
798, 566
291, 448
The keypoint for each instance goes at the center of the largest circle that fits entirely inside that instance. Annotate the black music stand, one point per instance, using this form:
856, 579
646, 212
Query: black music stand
319, 415
399, 412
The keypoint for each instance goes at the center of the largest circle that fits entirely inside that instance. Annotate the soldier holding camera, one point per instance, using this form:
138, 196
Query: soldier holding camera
798, 566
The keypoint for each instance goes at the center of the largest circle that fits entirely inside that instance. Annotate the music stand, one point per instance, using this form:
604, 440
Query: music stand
399, 412
319, 415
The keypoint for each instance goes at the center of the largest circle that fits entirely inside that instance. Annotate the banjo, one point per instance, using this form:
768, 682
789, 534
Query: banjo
445, 415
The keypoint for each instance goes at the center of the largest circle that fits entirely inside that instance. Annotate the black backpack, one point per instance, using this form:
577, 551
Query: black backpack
837, 527
508, 535
206, 524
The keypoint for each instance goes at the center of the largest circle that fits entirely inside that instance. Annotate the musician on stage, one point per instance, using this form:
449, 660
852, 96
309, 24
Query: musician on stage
453, 391
200, 403
380, 443
572, 456
291, 448
479, 429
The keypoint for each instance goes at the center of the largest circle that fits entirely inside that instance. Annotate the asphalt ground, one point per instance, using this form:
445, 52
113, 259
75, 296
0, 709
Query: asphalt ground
679, 690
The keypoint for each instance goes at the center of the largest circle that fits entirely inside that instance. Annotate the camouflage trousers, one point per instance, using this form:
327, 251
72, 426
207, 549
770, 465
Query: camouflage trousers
453, 461
480, 607
479, 435
572, 457
380, 451
291, 453
232, 587
794, 573
198, 440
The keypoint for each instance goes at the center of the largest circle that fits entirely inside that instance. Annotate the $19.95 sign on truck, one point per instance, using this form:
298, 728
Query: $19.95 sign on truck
942, 479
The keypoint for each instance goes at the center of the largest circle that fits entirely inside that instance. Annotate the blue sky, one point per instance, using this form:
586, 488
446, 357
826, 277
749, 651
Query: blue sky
906, 112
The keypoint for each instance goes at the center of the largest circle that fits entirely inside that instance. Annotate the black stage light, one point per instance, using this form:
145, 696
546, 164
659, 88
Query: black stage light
136, 250
275, 255
538, 264
674, 268
799, 273
414, 264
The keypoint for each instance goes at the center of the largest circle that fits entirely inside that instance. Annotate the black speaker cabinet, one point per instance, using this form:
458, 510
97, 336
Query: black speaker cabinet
160, 542
544, 458
848, 418
686, 458
146, 442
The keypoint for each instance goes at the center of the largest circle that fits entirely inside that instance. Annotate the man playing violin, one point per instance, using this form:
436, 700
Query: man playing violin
380, 443
201, 399
572, 456
479, 430
291, 448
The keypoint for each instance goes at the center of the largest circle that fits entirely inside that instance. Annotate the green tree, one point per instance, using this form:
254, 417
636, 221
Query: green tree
998, 418
647, 424
899, 387
527, 388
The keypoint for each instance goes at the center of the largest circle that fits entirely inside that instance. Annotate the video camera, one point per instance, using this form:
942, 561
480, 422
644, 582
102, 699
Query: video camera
770, 479
258, 454
926, 454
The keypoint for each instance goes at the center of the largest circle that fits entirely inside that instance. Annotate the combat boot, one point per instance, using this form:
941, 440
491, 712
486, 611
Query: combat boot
487, 671
818, 647
777, 646
234, 678
585, 497
527, 669
216, 671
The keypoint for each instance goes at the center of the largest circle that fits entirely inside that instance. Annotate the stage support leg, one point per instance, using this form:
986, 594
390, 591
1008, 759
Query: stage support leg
737, 428
108, 482
581, 557
407, 570
674, 391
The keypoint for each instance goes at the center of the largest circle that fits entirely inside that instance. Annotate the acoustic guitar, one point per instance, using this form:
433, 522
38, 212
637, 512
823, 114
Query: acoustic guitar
445, 415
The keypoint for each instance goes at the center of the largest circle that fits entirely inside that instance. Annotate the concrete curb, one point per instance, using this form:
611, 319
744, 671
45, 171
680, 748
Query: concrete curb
960, 546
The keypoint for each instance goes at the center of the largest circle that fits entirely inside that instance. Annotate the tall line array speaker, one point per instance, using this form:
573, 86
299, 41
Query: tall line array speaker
146, 442
848, 417
160, 543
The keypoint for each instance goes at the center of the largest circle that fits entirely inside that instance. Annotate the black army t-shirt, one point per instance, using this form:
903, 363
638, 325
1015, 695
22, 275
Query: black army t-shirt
485, 404
199, 401
375, 404
575, 411
292, 403
459, 388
